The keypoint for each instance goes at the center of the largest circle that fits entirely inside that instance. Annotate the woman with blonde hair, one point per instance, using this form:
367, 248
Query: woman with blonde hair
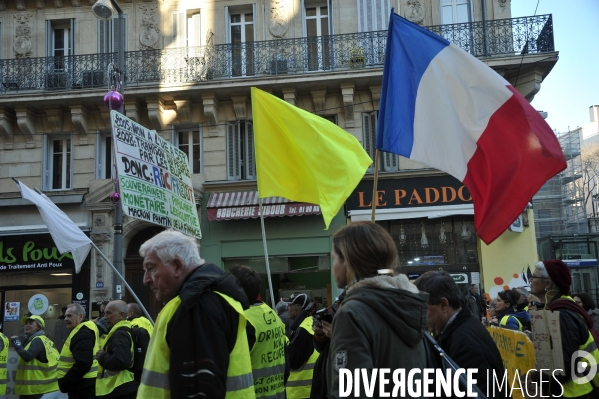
383, 316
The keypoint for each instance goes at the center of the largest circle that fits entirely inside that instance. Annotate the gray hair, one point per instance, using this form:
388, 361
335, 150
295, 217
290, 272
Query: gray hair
79, 310
171, 244
121, 307
541, 267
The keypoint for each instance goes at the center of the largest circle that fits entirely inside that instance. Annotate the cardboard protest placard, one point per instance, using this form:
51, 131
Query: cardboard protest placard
547, 340
518, 356
154, 178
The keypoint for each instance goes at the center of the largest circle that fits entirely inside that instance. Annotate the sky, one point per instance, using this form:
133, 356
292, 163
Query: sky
572, 86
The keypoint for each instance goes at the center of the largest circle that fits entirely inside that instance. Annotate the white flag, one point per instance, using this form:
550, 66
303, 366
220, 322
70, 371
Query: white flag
66, 235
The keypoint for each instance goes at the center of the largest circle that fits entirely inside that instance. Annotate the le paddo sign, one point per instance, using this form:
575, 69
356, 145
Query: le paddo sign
154, 178
32, 252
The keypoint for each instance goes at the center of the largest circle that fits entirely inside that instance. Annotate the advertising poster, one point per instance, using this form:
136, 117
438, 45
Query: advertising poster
154, 178
11, 311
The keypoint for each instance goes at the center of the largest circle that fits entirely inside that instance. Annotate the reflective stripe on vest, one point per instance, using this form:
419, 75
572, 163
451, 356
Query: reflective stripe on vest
66, 360
299, 383
3, 361
34, 377
505, 318
109, 380
154, 379
268, 353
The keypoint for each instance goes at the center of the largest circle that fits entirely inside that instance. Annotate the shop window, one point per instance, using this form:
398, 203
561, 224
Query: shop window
241, 159
104, 162
58, 163
190, 142
388, 162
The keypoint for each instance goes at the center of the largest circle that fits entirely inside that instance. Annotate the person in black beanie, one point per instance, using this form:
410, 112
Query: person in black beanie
551, 282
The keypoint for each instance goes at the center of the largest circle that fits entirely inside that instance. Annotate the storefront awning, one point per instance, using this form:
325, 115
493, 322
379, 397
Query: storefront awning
244, 205
431, 212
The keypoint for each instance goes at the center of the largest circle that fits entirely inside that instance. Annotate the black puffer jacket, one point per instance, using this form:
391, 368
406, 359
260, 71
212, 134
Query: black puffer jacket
117, 357
203, 332
379, 325
82, 347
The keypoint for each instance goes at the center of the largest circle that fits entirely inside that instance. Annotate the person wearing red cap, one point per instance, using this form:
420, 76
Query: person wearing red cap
551, 282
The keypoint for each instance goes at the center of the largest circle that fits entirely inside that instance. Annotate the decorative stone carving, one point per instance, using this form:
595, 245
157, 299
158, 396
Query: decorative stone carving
58, 4
184, 109
240, 106
211, 112
319, 97
21, 5
502, 4
22, 43
79, 117
40, 4
209, 37
26, 122
2, 5
347, 91
289, 95
149, 28
55, 116
6, 121
279, 18
415, 11
375, 92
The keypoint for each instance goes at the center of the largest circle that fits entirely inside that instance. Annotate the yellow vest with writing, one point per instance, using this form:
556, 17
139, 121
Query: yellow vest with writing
144, 323
268, 353
66, 360
34, 377
580, 386
109, 380
155, 382
299, 383
3, 360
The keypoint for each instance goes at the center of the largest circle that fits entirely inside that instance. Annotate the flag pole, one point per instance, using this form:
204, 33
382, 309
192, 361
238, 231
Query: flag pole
114, 269
272, 296
374, 184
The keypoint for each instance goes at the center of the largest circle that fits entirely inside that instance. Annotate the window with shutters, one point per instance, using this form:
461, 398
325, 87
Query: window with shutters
387, 162
104, 161
241, 159
241, 36
373, 15
108, 35
189, 140
186, 30
317, 28
58, 162
455, 11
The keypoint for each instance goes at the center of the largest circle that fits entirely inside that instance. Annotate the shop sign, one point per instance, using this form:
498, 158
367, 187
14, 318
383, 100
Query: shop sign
517, 226
460, 278
410, 193
32, 252
154, 177
11, 311
38, 304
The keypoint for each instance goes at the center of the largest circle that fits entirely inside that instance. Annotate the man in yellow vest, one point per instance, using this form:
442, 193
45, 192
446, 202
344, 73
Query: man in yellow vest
4, 343
77, 366
136, 319
302, 355
266, 338
199, 346
116, 356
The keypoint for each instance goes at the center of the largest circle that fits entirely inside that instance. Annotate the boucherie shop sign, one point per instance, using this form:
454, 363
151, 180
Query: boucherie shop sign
32, 252
410, 193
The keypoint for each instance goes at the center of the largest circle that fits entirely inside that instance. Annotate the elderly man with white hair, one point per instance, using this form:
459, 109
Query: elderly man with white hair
199, 345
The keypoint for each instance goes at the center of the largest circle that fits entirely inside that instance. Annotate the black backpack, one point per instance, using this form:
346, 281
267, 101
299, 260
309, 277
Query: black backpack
141, 339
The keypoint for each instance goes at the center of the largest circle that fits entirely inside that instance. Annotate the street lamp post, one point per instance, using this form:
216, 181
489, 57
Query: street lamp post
104, 9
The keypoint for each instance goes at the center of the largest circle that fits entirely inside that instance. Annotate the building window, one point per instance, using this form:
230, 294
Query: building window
241, 159
455, 11
58, 163
104, 156
317, 30
388, 162
241, 37
190, 142
186, 30
373, 15
59, 48
108, 35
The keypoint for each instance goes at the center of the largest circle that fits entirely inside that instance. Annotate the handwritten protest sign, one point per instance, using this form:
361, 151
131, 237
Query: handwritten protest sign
518, 356
547, 340
155, 183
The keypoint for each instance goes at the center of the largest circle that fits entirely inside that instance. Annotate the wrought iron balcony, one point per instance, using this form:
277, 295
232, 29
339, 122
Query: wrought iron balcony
504, 37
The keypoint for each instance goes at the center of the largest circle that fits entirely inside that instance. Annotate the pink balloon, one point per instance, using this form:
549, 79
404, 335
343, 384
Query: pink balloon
113, 100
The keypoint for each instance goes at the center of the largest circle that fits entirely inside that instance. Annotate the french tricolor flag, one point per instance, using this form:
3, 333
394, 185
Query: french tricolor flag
444, 108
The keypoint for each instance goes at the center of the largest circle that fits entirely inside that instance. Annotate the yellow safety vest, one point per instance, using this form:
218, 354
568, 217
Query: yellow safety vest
155, 382
144, 323
67, 361
268, 353
299, 383
579, 386
3, 360
505, 318
109, 380
34, 377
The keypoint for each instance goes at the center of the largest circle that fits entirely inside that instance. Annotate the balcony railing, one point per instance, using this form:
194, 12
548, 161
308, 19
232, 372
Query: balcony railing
503, 37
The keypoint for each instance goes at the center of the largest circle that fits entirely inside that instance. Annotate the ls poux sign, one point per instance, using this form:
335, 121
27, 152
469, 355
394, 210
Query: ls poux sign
154, 178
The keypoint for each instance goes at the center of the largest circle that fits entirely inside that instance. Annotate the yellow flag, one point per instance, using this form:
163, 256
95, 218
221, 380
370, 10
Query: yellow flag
303, 157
